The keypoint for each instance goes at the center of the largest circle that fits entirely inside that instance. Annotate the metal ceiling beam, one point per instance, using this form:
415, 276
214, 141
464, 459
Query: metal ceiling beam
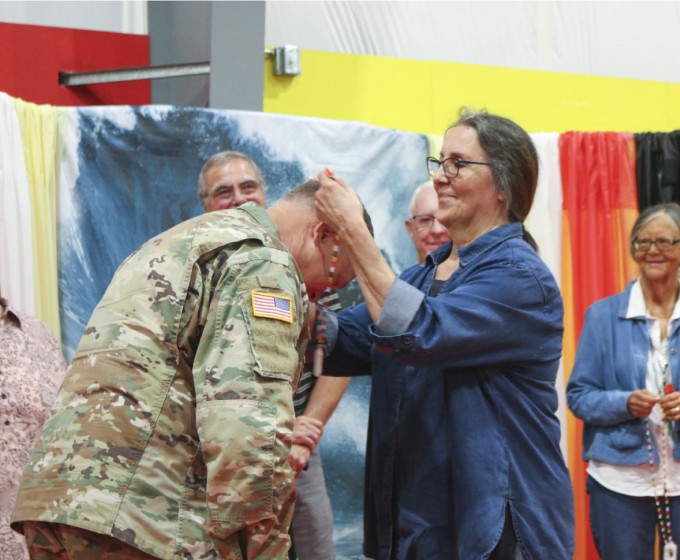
286, 62
135, 73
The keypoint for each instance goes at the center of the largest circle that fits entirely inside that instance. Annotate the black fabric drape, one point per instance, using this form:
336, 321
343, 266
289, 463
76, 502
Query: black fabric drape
658, 167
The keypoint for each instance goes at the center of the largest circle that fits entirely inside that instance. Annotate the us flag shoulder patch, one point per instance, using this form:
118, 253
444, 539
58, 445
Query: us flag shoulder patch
272, 306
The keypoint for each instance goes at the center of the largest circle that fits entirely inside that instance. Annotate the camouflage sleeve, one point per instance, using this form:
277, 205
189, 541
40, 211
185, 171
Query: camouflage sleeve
245, 367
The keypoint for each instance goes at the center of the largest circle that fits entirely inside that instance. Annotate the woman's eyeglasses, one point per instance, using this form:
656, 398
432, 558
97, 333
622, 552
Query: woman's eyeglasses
662, 244
451, 165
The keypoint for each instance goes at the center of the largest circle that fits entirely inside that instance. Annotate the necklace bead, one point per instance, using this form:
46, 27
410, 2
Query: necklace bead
317, 366
663, 513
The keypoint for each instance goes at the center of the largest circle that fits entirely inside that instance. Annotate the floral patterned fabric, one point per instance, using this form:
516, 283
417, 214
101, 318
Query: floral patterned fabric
31, 370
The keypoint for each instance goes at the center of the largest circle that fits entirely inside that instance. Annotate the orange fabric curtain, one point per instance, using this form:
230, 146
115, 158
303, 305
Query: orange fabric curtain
599, 208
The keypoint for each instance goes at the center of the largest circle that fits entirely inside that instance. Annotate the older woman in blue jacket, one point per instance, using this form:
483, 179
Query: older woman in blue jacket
624, 387
463, 459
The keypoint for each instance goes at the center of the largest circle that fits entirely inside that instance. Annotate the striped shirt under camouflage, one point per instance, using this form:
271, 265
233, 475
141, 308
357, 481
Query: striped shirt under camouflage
307, 379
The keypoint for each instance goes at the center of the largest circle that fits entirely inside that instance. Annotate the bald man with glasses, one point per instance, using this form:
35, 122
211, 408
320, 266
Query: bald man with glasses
423, 227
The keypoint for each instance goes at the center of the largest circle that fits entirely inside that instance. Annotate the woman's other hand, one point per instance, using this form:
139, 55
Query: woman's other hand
641, 402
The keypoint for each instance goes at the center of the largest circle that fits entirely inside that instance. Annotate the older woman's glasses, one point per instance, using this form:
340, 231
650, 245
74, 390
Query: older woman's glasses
663, 244
451, 165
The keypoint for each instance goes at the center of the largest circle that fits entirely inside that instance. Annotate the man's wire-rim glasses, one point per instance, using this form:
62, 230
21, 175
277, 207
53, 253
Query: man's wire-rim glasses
423, 221
663, 244
228, 191
451, 170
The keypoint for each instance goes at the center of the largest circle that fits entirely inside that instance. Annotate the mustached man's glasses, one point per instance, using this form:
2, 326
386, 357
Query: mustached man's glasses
423, 222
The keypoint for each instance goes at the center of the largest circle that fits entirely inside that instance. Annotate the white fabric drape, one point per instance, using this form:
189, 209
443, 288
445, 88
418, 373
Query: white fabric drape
545, 224
16, 233
545, 219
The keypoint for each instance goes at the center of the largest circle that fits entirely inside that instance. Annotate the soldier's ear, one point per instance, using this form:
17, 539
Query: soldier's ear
321, 233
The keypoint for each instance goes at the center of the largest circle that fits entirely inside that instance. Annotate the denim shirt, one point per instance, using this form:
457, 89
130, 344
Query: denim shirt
611, 363
462, 420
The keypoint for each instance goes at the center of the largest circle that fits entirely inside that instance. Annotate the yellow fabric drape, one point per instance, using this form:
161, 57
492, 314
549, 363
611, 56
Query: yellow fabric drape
41, 131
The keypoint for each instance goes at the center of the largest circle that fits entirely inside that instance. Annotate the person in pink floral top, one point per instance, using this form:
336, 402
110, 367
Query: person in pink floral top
31, 370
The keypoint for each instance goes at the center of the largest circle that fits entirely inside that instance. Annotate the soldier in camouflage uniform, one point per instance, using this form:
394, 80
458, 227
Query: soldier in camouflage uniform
227, 180
170, 435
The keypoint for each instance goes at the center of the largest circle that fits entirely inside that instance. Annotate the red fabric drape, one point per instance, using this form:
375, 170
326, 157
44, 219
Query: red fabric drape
599, 208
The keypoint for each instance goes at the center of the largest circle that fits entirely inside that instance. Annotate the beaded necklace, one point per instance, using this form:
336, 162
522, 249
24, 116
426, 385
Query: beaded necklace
663, 514
317, 365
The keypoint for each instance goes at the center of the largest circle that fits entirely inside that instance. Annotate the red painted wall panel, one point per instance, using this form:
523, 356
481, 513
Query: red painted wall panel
32, 56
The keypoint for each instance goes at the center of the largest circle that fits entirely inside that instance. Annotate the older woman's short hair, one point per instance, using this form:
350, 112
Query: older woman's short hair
670, 209
513, 155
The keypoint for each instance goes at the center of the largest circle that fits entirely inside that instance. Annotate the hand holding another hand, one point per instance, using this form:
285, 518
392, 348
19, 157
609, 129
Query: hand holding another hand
307, 431
670, 406
306, 435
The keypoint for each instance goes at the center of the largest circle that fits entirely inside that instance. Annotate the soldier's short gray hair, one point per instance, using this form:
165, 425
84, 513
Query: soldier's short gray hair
306, 192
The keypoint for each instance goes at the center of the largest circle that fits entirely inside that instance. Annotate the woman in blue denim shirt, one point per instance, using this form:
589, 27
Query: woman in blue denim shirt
463, 459
623, 386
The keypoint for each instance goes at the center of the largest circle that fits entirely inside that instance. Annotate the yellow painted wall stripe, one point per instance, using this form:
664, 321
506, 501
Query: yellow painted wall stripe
423, 96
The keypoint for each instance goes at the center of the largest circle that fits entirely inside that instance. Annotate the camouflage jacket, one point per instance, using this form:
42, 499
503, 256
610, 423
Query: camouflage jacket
171, 430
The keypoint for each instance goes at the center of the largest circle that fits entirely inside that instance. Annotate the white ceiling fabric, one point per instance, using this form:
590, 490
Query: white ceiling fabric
623, 39
615, 39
